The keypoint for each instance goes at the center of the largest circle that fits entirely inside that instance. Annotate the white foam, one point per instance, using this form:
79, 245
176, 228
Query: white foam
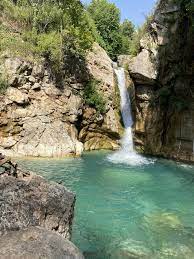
126, 154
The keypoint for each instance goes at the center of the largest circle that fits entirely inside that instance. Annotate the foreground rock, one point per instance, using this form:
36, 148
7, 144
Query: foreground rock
32, 201
35, 215
35, 243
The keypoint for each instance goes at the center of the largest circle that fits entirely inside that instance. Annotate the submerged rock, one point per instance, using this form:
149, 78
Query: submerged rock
178, 251
163, 220
131, 249
35, 243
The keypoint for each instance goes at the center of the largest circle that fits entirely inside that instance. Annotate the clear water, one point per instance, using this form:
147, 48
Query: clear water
125, 211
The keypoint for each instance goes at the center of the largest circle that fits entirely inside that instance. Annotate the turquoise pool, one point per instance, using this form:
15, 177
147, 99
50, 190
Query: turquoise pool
124, 211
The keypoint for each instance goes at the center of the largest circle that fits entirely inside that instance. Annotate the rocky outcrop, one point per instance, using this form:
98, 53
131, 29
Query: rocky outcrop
35, 216
101, 132
164, 89
32, 201
35, 243
43, 116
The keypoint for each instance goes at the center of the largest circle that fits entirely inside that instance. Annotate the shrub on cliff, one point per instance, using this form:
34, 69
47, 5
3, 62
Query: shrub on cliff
93, 98
3, 84
127, 30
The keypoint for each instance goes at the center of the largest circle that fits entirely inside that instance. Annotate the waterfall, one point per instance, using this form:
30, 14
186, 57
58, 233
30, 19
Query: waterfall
126, 154
127, 140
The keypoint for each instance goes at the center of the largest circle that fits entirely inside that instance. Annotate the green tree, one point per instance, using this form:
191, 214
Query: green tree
127, 30
107, 19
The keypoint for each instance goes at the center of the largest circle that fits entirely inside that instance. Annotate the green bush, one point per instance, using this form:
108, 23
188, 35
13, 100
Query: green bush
3, 85
107, 20
134, 45
49, 29
93, 98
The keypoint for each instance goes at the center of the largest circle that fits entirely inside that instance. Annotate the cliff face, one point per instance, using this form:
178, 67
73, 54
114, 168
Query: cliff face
163, 76
41, 117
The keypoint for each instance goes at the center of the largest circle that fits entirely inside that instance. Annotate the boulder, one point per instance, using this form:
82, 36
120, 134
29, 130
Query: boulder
32, 201
124, 61
143, 69
35, 243
17, 96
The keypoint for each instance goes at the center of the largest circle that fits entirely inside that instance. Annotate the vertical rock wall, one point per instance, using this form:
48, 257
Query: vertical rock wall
164, 83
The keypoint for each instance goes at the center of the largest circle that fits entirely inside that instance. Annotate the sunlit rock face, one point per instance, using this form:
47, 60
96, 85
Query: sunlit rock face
164, 83
97, 131
40, 116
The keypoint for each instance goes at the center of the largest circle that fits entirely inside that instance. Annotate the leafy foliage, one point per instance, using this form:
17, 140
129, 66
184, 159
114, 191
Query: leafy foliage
46, 28
107, 20
116, 37
127, 30
3, 84
93, 98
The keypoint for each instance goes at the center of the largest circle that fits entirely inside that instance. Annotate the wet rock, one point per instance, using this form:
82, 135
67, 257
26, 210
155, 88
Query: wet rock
37, 242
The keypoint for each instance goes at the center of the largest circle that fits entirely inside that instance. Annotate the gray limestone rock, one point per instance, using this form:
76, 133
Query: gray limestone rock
36, 243
32, 201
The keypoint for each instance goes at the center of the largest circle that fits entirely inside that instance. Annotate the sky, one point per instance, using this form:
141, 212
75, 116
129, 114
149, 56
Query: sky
134, 10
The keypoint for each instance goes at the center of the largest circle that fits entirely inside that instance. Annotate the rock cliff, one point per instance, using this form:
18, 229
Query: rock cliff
40, 116
162, 74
